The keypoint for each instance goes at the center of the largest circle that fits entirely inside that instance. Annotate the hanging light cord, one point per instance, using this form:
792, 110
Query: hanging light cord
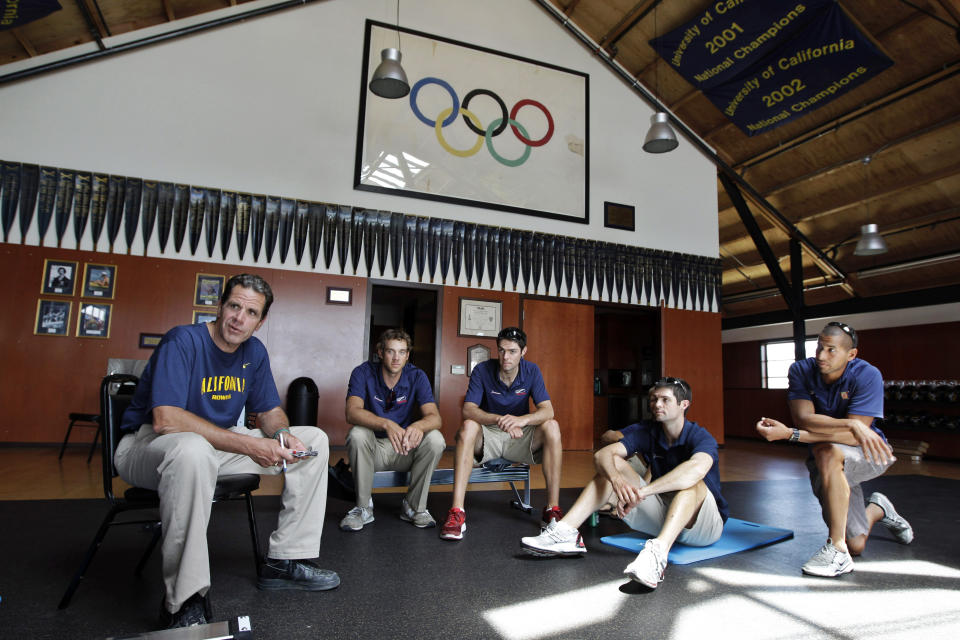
398, 25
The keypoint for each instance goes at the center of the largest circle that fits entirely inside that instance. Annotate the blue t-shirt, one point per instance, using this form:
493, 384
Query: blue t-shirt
859, 391
488, 392
187, 370
412, 390
648, 439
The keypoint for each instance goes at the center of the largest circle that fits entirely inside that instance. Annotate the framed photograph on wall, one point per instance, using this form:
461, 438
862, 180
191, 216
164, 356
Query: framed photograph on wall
53, 318
201, 317
150, 340
208, 289
99, 281
481, 127
59, 277
480, 318
94, 320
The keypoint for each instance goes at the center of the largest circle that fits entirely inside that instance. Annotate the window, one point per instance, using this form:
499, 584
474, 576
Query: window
776, 358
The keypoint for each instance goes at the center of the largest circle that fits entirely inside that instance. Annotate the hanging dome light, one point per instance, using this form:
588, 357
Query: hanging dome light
389, 79
661, 137
871, 243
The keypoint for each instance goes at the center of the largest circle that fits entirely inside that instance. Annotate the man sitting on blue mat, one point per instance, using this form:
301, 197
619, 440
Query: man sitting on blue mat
678, 499
834, 398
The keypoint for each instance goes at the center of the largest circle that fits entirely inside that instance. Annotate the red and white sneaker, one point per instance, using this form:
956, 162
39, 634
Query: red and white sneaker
455, 525
550, 515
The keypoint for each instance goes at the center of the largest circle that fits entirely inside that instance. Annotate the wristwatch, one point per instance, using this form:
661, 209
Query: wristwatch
795, 436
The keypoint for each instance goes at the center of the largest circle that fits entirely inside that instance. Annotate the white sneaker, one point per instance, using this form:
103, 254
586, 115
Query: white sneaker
893, 521
649, 565
421, 519
558, 539
356, 518
829, 562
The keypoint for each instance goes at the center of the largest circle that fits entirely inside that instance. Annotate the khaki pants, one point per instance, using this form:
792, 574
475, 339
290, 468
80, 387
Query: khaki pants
183, 469
369, 454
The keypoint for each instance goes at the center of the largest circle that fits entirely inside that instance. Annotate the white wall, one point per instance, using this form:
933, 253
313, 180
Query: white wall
270, 106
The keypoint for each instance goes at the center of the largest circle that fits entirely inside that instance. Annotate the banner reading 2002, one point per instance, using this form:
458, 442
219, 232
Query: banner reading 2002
479, 128
764, 63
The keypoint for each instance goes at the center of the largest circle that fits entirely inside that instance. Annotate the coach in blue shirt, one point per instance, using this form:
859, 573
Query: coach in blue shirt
381, 402
497, 423
834, 398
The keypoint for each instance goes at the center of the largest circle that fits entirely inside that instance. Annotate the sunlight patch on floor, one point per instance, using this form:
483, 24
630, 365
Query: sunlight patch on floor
563, 612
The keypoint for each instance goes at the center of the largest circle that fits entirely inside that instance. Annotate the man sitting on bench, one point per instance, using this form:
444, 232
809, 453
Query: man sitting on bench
678, 499
496, 424
380, 404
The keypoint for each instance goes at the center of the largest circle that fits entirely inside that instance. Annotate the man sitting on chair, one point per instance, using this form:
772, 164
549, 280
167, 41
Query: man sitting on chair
380, 405
497, 424
180, 436
678, 499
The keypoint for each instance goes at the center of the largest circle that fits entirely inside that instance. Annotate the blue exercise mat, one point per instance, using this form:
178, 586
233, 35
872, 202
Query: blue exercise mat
738, 535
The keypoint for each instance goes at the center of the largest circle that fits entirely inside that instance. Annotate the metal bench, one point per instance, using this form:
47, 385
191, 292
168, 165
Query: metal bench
499, 470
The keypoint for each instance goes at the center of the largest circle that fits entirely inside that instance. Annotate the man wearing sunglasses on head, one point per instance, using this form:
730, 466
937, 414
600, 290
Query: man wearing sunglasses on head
834, 398
677, 499
497, 423
381, 402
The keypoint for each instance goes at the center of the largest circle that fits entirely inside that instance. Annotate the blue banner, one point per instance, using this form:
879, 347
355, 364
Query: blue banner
767, 63
16, 13
731, 35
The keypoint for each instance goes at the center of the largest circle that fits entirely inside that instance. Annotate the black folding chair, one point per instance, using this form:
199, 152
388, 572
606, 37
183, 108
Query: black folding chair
116, 392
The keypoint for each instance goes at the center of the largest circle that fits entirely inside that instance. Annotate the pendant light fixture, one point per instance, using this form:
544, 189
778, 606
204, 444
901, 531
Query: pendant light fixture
871, 243
661, 137
389, 80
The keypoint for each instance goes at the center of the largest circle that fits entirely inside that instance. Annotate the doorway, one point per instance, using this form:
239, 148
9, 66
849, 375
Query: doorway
411, 308
627, 349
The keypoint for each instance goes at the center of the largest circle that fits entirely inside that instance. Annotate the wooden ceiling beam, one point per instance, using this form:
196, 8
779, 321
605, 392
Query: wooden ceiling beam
857, 158
24, 42
570, 7
167, 9
919, 181
951, 7
629, 20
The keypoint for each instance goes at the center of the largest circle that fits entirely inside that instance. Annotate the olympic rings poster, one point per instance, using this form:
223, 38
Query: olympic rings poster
479, 127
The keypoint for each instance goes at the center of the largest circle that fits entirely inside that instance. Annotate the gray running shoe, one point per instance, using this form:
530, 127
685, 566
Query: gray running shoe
421, 519
356, 518
893, 521
649, 565
829, 562
558, 539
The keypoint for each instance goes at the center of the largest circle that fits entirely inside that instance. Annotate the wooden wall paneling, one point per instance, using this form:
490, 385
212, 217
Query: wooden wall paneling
46, 377
691, 349
451, 388
560, 340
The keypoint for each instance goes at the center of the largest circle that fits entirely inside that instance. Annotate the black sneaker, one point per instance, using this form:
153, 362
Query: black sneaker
302, 575
195, 611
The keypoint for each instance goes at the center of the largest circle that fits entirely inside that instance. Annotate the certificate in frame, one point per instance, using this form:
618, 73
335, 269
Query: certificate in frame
480, 318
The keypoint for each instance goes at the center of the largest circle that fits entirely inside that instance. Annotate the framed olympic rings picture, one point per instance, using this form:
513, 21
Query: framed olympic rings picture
479, 127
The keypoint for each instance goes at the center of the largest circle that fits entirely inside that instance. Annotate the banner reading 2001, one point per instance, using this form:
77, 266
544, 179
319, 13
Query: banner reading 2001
764, 63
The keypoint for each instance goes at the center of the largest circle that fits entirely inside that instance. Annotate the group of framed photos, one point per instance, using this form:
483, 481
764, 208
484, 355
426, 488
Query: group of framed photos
206, 293
60, 278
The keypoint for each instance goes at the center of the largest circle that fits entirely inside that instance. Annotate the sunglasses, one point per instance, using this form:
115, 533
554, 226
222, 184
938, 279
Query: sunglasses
392, 398
511, 334
667, 382
847, 329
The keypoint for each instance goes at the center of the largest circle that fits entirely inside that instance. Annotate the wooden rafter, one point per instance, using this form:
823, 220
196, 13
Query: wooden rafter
626, 23
167, 9
24, 42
